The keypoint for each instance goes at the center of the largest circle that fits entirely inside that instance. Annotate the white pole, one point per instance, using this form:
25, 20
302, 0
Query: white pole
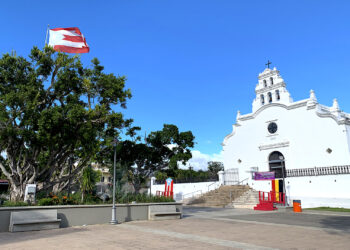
47, 33
114, 217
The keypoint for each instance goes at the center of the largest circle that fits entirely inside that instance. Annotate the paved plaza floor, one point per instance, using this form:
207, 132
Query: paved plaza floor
200, 228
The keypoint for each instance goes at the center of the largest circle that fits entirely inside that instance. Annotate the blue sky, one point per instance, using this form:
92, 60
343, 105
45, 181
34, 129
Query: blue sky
194, 63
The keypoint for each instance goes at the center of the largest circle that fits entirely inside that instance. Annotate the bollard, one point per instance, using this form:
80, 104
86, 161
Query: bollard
297, 206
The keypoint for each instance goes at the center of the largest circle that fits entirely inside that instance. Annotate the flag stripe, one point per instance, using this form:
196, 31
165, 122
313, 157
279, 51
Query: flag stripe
75, 29
76, 39
69, 49
68, 43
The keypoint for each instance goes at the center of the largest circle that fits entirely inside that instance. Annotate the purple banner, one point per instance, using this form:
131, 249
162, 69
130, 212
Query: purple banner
261, 176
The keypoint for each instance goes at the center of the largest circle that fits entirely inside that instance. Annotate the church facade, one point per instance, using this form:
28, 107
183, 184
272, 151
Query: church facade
305, 144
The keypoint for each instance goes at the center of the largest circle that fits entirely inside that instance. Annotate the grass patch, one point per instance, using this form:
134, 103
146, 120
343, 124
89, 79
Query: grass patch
332, 209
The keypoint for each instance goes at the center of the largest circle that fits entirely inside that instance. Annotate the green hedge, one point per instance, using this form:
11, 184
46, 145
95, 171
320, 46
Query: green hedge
90, 199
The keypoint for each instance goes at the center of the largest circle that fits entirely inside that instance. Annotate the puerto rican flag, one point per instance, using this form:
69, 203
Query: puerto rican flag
69, 40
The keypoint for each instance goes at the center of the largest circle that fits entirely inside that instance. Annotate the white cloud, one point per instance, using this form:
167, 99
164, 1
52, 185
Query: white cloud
199, 161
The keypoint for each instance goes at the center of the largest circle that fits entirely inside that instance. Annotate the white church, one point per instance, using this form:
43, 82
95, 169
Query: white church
305, 144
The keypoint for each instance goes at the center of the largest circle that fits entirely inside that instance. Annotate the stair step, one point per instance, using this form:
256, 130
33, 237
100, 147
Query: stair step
221, 196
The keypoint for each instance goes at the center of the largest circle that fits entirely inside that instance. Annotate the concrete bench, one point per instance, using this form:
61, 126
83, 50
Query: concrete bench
163, 212
34, 220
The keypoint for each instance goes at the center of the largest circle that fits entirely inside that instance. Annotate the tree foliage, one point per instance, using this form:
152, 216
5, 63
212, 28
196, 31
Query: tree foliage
52, 109
162, 149
214, 167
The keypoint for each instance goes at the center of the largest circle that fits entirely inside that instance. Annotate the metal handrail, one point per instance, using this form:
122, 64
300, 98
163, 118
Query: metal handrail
211, 184
183, 196
239, 183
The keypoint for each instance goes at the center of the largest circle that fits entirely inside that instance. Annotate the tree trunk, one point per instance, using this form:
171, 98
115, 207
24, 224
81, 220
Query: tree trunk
17, 193
137, 186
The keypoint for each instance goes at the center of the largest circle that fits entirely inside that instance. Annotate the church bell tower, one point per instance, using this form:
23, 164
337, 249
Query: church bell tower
270, 89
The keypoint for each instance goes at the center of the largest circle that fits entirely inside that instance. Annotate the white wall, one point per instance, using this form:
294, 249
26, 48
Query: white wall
317, 191
314, 191
306, 137
187, 190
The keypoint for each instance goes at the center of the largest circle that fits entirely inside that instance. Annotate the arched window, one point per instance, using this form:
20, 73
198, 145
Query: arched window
262, 99
271, 80
277, 95
265, 84
270, 97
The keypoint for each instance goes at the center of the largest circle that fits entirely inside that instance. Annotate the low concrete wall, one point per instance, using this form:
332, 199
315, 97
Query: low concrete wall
79, 215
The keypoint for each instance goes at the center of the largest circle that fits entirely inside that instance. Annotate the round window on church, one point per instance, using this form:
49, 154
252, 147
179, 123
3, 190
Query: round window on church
272, 127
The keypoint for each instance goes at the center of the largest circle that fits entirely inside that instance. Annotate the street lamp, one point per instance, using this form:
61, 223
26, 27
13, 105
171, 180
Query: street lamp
284, 186
114, 218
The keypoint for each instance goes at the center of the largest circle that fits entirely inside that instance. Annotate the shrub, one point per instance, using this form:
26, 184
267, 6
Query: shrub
59, 200
142, 198
45, 202
91, 199
15, 204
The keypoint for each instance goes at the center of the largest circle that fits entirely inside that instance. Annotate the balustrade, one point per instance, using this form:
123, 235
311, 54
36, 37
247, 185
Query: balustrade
333, 170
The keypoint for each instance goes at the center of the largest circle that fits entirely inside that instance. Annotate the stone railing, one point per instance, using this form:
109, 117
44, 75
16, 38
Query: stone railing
333, 170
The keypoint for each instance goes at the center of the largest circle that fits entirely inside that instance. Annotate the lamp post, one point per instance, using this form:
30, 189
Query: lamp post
282, 165
114, 218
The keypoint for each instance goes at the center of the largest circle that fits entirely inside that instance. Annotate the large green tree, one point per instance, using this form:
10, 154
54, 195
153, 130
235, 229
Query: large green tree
163, 149
214, 167
54, 111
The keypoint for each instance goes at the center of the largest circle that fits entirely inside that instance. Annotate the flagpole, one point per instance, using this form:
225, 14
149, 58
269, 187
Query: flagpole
47, 33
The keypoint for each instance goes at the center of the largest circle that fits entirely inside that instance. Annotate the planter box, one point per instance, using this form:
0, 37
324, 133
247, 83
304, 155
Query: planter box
78, 215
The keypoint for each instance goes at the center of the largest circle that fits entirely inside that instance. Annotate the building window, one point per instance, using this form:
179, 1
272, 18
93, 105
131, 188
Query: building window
278, 95
271, 80
109, 179
265, 85
262, 98
270, 97
103, 179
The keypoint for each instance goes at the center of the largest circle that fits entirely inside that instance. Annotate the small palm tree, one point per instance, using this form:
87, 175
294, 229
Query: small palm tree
87, 182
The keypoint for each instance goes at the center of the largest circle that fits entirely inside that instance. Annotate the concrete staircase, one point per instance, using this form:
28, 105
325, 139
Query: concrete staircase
247, 200
220, 197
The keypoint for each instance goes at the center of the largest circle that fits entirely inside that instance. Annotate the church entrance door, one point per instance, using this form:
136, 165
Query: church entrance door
277, 165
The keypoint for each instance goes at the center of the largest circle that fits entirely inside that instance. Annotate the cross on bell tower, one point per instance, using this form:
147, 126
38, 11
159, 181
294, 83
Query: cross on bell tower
268, 64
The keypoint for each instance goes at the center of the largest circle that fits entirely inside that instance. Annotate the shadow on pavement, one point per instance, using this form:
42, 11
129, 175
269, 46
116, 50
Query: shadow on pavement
336, 222
7, 237
190, 211
195, 209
